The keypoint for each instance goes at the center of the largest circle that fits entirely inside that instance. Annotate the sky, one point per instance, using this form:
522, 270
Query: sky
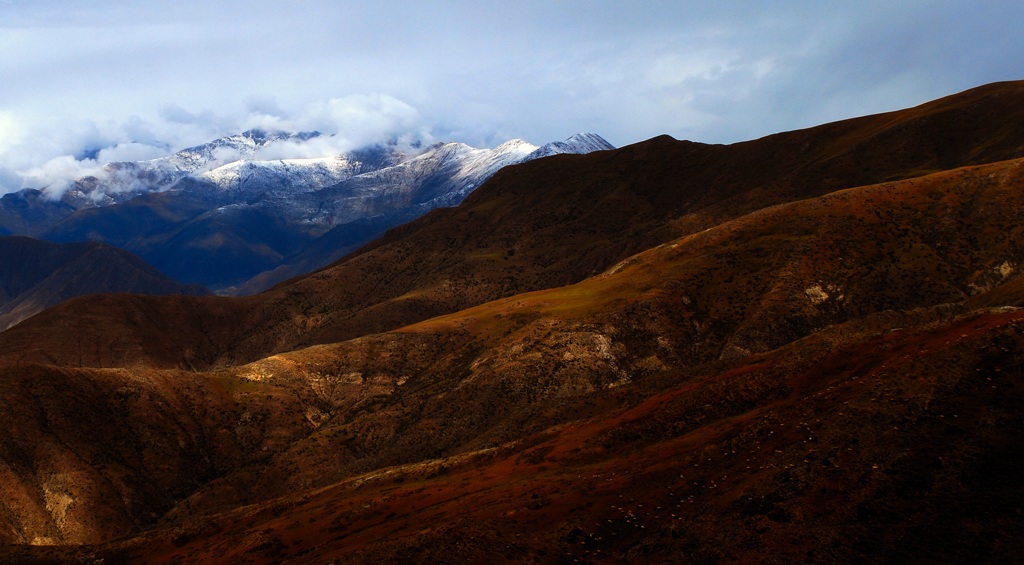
83, 83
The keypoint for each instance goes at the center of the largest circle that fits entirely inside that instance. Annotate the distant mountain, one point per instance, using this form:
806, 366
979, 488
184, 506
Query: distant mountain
263, 220
289, 176
30, 212
36, 274
123, 180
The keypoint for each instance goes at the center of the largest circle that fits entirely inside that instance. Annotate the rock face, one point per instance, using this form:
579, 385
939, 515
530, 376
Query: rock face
639, 354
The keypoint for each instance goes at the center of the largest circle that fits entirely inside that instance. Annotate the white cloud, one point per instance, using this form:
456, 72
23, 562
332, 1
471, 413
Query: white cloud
55, 153
346, 123
52, 152
321, 146
223, 156
129, 152
59, 173
56, 175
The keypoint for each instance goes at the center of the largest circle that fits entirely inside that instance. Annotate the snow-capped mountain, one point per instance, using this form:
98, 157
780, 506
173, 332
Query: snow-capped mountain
291, 176
218, 214
124, 180
441, 176
448, 172
285, 175
233, 163
578, 144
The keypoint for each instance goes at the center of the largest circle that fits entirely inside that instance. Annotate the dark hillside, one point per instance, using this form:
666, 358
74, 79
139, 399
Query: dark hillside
36, 274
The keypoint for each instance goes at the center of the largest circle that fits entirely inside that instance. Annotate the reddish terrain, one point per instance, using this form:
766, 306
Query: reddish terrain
804, 348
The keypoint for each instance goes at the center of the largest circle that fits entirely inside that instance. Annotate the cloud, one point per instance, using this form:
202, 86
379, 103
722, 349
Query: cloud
55, 176
175, 114
346, 123
8, 178
223, 156
55, 154
129, 152
58, 174
52, 153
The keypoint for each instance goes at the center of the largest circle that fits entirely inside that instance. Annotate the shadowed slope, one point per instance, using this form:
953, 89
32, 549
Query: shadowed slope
607, 419
30, 212
92, 454
809, 459
36, 274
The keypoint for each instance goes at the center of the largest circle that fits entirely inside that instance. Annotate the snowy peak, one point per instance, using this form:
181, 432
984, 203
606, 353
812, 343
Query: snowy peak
291, 176
123, 180
577, 144
225, 150
238, 163
239, 211
516, 146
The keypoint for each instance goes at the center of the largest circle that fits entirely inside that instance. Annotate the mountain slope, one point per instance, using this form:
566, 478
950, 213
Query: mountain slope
818, 458
555, 221
810, 380
700, 303
595, 210
580, 143
121, 181
35, 275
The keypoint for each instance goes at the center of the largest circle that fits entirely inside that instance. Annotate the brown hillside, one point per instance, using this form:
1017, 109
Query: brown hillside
806, 383
92, 454
556, 221
505, 369
830, 463
843, 455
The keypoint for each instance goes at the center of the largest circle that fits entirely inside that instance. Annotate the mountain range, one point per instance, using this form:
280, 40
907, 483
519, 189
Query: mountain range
801, 348
221, 216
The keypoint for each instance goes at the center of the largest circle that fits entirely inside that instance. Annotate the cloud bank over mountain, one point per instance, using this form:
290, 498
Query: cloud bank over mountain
346, 123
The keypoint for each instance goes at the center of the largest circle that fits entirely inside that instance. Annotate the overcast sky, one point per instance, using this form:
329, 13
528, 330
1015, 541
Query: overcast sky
85, 82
